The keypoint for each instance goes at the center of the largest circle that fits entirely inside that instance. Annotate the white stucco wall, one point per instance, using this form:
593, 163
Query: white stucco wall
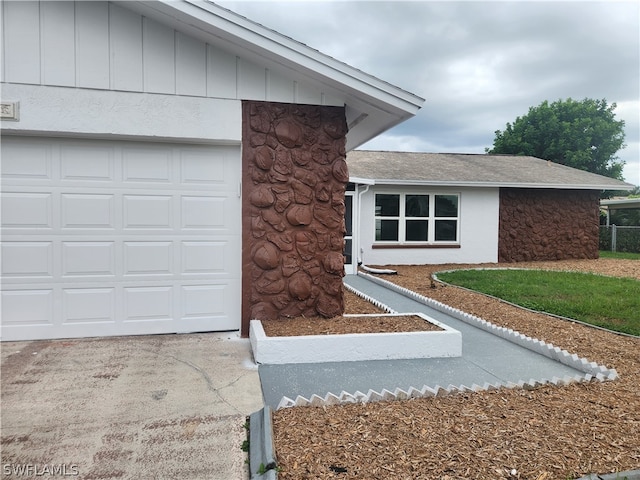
55, 111
478, 242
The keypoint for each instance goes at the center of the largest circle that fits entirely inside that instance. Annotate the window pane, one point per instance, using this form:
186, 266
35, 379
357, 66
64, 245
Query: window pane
387, 230
348, 214
446, 230
347, 251
387, 205
446, 205
417, 230
417, 206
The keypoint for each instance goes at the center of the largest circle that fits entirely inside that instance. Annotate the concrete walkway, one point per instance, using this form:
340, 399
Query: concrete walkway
486, 358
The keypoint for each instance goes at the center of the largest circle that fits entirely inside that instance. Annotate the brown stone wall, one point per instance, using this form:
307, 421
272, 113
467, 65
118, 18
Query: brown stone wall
541, 224
294, 180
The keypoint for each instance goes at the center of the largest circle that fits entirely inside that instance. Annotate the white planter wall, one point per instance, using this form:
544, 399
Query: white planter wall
444, 343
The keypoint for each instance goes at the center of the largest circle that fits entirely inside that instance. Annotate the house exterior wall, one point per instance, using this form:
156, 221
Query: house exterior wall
543, 224
294, 177
95, 70
103, 46
478, 235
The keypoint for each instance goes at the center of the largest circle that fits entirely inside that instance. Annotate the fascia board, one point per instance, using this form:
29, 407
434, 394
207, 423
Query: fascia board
568, 186
620, 201
362, 181
199, 17
626, 203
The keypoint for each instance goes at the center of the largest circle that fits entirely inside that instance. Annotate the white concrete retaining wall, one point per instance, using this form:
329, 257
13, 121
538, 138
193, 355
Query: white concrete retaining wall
355, 347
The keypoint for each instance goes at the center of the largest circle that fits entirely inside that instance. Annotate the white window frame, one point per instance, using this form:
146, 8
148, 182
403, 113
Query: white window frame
402, 219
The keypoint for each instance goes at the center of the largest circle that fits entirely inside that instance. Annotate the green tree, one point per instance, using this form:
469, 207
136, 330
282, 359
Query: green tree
580, 134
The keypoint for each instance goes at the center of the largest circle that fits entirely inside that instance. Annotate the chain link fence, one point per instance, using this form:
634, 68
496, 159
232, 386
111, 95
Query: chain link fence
620, 239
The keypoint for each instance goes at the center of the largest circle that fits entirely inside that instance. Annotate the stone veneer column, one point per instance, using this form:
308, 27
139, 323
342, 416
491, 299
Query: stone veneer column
545, 224
294, 176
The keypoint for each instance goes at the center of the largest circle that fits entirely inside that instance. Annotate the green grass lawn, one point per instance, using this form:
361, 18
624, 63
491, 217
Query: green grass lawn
621, 255
612, 303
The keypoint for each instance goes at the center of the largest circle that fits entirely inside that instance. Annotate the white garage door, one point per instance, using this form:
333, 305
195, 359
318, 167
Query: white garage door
118, 238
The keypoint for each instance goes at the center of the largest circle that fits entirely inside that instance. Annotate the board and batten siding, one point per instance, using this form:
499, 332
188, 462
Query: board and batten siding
103, 46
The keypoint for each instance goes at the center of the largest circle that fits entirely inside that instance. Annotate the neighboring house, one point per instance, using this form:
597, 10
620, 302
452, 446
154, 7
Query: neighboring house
425, 208
170, 166
611, 205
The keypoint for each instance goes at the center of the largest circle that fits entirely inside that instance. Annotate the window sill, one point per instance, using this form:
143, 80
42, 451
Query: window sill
414, 245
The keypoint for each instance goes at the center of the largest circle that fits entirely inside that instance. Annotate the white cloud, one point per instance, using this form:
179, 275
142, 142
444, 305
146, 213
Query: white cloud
478, 64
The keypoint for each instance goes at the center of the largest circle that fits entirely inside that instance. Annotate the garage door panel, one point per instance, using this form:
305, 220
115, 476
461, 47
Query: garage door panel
26, 162
147, 165
200, 305
88, 305
88, 258
33, 307
148, 211
198, 167
202, 301
205, 257
83, 163
199, 212
148, 303
27, 210
116, 238
87, 312
27, 260
148, 258
83, 211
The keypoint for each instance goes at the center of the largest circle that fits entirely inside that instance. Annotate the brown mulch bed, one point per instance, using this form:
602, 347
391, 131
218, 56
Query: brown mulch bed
542, 434
342, 325
354, 304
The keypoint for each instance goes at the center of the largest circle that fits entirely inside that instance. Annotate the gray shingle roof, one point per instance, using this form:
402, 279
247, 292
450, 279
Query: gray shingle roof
478, 170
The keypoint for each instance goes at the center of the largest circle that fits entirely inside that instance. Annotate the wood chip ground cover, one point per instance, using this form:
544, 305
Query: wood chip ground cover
342, 325
541, 434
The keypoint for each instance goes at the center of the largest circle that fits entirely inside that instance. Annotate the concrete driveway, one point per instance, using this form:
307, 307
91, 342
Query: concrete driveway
149, 407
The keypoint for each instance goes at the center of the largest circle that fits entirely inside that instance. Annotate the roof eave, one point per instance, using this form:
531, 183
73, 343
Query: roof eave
379, 104
431, 183
362, 181
620, 204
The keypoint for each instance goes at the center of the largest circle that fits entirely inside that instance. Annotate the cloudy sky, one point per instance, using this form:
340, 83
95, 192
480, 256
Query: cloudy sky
478, 64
